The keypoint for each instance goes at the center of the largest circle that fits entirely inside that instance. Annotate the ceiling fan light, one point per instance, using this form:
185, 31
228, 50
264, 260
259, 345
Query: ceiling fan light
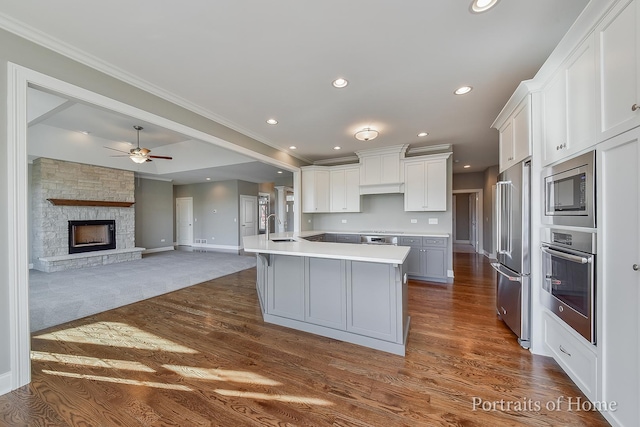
138, 158
366, 134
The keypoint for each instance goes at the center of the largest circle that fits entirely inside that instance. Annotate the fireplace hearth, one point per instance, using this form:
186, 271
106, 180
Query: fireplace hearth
91, 235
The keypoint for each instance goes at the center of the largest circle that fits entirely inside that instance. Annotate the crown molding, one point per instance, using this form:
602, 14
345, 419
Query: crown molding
428, 149
337, 160
40, 38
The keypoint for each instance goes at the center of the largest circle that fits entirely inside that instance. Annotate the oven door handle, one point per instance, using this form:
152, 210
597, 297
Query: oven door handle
566, 256
496, 267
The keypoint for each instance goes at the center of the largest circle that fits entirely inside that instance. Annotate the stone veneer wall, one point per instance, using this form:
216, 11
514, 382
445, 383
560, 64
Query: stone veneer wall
65, 180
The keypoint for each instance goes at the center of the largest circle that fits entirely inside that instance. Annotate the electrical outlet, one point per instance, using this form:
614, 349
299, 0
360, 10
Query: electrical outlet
309, 221
213, 238
433, 221
344, 221
162, 240
414, 221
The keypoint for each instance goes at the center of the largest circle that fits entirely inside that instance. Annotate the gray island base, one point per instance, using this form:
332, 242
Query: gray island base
356, 294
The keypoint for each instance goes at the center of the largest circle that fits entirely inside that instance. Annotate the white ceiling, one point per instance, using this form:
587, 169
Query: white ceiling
242, 62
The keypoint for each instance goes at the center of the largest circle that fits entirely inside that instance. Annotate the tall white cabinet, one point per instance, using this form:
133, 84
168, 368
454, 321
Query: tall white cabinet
425, 186
619, 68
618, 293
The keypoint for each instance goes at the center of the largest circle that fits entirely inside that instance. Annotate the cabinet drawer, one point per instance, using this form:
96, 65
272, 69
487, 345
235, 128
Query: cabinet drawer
411, 241
434, 241
574, 356
348, 238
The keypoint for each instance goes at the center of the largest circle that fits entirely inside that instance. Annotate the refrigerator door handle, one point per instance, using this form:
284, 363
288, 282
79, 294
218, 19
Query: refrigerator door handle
496, 267
504, 207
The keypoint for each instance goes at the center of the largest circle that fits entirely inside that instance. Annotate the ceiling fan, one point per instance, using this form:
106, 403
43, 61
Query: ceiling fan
139, 155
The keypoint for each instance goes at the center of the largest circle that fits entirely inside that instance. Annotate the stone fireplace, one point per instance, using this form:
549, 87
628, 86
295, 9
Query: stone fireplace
65, 193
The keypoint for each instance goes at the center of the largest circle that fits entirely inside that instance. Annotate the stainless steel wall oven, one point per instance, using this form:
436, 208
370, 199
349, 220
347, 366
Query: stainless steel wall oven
568, 263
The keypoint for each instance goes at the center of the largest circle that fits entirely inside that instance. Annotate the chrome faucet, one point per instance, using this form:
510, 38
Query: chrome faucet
267, 221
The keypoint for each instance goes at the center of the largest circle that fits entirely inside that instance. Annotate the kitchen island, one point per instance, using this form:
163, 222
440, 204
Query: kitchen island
350, 292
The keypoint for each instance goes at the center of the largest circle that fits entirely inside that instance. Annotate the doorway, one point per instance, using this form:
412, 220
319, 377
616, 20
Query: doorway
18, 82
467, 221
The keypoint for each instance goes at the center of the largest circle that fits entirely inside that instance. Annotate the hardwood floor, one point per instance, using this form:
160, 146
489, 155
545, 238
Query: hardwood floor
202, 356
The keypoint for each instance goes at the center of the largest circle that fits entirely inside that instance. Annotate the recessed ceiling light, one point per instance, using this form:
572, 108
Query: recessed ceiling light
272, 121
479, 6
340, 83
292, 147
421, 134
466, 166
336, 147
463, 90
208, 179
84, 132
279, 171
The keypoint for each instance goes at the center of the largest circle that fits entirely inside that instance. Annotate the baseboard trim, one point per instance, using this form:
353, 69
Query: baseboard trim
5, 383
154, 250
450, 273
216, 247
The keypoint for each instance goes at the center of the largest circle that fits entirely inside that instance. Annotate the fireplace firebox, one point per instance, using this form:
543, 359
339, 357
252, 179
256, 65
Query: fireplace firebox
94, 235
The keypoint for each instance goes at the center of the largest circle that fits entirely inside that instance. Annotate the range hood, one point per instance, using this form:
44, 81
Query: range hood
386, 188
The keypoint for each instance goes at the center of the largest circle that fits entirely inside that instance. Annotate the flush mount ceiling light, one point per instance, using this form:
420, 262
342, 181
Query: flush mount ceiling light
423, 134
463, 90
479, 6
272, 121
366, 134
340, 83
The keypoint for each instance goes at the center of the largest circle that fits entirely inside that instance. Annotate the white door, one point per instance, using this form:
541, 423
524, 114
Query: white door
248, 216
184, 220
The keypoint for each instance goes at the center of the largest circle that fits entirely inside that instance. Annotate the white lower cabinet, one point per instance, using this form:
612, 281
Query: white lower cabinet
618, 284
574, 354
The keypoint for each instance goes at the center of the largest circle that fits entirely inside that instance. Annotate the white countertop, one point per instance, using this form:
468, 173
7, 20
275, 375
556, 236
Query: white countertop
398, 233
386, 254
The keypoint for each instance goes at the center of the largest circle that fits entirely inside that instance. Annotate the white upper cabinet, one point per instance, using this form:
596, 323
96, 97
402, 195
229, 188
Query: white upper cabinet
345, 189
618, 56
515, 135
514, 124
315, 189
425, 187
568, 100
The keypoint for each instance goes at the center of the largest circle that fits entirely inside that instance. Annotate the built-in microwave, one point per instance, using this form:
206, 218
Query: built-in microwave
569, 192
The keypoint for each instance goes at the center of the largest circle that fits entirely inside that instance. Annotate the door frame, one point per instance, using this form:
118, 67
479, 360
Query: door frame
19, 78
479, 216
190, 237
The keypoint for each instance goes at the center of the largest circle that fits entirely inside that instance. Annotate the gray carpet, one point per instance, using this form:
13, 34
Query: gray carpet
56, 298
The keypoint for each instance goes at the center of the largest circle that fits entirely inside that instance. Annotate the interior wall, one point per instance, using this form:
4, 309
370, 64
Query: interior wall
216, 209
5, 297
154, 213
464, 181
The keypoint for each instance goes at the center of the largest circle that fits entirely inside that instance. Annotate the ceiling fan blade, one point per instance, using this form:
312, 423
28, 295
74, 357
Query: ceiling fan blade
115, 149
161, 157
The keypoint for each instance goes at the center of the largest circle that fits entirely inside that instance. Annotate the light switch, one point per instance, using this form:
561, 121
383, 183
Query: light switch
414, 221
344, 221
433, 221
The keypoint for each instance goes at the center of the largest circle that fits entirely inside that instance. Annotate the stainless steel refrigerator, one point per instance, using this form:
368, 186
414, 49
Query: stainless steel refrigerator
513, 293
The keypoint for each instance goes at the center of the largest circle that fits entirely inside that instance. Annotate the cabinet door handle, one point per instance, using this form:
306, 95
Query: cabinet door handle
634, 107
565, 351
